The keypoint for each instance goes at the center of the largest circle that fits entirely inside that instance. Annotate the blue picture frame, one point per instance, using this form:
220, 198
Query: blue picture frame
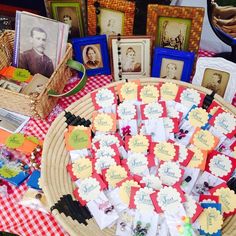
100, 48
166, 53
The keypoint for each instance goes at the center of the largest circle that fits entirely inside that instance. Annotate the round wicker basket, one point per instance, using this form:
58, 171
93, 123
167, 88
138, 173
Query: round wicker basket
56, 181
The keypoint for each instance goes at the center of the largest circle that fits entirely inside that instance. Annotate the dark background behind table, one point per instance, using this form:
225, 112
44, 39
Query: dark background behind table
35, 5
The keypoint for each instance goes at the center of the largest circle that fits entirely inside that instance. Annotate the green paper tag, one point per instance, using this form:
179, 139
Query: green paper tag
6, 172
15, 140
78, 139
21, 75
33, 139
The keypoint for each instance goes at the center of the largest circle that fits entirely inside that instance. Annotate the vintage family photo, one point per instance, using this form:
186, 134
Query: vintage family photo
92, 58
69, 13
216, 81
111, 22
131, 58
38, 45
174, 33
171, 69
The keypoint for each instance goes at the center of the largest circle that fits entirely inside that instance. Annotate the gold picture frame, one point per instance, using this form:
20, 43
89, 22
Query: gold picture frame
116, 7
181, 19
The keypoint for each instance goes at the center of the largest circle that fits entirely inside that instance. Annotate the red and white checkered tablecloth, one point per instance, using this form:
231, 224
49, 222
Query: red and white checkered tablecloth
22, 220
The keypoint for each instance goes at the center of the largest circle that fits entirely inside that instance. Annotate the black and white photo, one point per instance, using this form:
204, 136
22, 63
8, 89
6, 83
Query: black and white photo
38, 45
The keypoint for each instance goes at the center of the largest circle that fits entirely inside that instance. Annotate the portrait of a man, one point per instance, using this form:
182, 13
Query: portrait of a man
171, 69
92, 57
68, 20
216, 81
35, 60
130, 60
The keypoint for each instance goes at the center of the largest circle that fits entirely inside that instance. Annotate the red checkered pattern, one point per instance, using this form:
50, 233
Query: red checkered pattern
22, 220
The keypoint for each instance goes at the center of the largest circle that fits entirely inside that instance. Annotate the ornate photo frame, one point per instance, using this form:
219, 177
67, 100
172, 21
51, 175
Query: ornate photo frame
218, 75
172, 64
130, 56
120, 10
188, 19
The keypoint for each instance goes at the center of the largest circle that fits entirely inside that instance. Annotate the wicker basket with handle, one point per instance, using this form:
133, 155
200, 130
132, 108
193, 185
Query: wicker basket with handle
57, 183
43, 104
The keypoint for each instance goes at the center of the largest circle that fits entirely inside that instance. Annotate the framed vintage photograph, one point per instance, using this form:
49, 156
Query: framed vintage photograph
218, 75
175, 27
172, 64
83, 6
130, 56
69, 13
92, 51
110, 17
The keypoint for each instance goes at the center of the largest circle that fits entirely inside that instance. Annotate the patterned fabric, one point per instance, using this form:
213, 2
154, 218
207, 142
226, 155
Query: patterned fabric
22, 220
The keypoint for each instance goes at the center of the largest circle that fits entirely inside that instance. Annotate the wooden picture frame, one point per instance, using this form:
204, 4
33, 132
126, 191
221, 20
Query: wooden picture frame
121, 22
70, 13
207, 71
98, 63
172, 64
130, 56
167, 23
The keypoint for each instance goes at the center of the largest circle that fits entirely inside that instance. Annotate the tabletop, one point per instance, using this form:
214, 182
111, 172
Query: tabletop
24, 221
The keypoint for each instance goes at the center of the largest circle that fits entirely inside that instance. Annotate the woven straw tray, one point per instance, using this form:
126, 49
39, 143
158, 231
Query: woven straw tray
56, 182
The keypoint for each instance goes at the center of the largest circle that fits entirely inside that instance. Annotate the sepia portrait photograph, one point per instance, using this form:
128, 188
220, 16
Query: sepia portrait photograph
92, 52
111, 22
218, 75
69, 13
172, 64
131, 58
38, 45
92, 58
174, 33
216, 81
171, 69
